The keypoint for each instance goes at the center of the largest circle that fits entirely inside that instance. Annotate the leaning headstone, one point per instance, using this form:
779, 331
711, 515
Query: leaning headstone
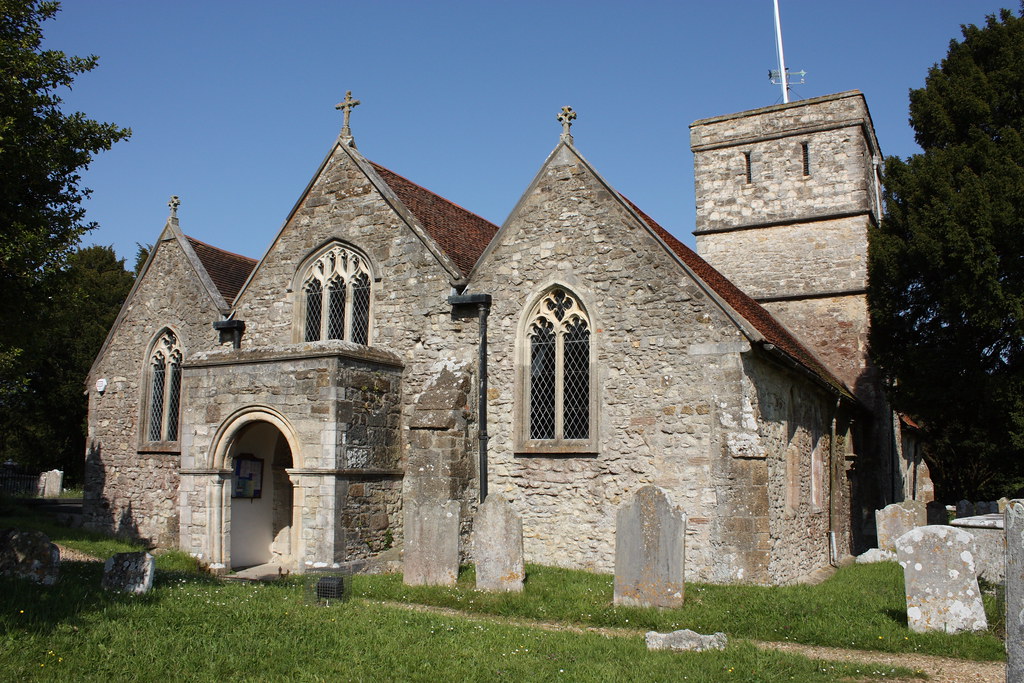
431, 542
498, 546
685, 641
129, 573
893, 521
940, 580
29, 555
649, 547
1014, 523
917, 508
1002, 503
964, 508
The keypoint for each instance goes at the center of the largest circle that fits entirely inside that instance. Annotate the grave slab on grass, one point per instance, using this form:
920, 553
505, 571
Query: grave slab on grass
29, 555
498, 546
941, 580
649, 550
129, 573
431, 542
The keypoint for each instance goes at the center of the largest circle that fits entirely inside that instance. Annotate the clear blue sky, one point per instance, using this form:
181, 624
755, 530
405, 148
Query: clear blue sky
232, 102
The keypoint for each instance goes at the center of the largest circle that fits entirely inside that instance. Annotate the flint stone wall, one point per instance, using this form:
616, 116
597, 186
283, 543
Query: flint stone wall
676, 401
131, 485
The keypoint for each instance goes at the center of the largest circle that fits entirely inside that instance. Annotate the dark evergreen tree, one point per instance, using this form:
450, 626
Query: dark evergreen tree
947, 265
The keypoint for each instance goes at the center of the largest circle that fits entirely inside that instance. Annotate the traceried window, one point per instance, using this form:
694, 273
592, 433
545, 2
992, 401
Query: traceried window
336, 294
558, 385
164, 389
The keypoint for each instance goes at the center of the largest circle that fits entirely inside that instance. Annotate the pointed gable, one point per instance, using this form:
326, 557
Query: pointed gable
461, 234
227, 270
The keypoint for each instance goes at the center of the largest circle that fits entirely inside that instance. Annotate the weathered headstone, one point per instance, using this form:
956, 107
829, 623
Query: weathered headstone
129, 573
685, 641
431, 542
29, 555
1002, 503
51, 483
940, 580
964, 508
893, 521
918, 508
498, 546
649, 550
1014, 524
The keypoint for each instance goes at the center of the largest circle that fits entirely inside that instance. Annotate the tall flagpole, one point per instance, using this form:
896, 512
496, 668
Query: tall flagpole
784, 77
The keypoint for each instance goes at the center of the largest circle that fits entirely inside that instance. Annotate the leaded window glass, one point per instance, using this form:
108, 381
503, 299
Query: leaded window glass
164, 389
337, 297
559, 384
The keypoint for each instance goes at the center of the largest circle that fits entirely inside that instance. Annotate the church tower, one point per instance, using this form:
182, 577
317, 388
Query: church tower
785, 195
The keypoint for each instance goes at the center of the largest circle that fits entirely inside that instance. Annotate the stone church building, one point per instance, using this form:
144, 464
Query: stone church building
281, 410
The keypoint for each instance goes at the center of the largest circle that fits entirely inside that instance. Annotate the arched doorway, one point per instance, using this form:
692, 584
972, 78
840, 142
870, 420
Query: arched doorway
261, 497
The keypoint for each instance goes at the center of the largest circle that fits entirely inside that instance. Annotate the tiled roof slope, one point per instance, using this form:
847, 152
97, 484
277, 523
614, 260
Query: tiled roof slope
228, 271
763, 321
460, 233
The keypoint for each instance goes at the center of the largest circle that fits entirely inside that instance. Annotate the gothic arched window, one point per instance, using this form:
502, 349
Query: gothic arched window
558, 386
336, 297
164, 389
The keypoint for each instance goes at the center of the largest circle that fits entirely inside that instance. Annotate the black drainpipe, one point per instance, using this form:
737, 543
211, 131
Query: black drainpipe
483, 307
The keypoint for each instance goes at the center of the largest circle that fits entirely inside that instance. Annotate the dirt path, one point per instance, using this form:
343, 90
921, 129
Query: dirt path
938, 669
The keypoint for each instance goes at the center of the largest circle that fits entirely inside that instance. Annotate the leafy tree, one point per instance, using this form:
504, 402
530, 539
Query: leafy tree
46, 428
947, 265
43, 151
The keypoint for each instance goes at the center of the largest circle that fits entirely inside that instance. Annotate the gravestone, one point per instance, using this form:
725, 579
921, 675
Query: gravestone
1014, 526
431, 542
936, 513
129, 573
649, 551
940, 580
964, 508
29, 555
498, 546
51, 483
894, 520
1002, 503
685, 641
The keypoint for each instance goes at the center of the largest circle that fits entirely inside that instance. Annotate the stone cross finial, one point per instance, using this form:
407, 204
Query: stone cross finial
566, 117
174, 204
347, 105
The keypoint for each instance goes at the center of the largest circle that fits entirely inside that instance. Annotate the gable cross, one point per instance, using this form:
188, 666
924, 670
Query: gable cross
347, 105
566, 117
174, 204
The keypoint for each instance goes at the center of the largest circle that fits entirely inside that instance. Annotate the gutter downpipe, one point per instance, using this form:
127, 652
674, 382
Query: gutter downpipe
483, 307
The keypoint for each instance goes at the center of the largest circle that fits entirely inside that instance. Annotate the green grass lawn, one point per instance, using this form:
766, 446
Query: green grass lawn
196, 627
860, 607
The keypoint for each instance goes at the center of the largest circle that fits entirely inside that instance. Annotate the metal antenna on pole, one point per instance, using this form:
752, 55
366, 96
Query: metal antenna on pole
781, 76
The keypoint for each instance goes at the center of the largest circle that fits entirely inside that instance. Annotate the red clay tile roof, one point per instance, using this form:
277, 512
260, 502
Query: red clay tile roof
763, 321
461, 234
228, 271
